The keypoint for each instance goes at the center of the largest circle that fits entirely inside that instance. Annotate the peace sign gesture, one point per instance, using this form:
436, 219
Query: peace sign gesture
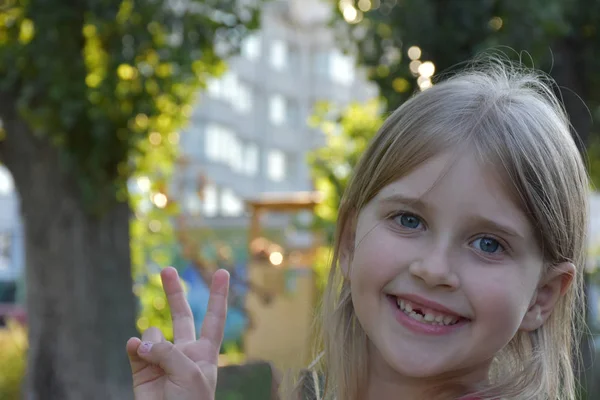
187, 368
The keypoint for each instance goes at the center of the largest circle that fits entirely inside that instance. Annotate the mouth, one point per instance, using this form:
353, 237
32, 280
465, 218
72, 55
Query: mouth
426, 315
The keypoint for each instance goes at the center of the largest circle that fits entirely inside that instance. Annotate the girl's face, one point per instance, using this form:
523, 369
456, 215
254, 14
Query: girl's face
444, 269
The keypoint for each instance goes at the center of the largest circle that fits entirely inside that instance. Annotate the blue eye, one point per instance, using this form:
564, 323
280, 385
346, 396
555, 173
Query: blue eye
488, 245
408, 221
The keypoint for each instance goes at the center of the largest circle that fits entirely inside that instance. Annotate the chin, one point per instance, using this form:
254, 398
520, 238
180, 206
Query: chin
421, 366
420, 371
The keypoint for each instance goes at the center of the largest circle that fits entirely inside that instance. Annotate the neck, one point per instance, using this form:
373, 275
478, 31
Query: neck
410, 389
386, 384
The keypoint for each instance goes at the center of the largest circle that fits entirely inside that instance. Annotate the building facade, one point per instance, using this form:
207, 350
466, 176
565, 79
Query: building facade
249, 132
11, 238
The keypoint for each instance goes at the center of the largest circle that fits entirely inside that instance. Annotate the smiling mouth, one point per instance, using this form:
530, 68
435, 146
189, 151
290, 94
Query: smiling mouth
426, 315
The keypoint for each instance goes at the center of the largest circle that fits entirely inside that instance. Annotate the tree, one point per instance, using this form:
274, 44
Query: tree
91, 94
347, 132
395, 39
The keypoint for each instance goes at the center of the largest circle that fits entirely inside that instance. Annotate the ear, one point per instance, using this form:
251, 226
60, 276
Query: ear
553, 285
347, 238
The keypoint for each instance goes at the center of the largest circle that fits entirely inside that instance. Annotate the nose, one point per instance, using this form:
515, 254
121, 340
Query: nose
434, 269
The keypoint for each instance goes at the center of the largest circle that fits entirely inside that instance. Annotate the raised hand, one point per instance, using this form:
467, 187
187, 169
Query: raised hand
187, 368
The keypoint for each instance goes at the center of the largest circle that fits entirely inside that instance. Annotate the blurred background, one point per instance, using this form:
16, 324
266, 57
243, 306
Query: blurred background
209, 134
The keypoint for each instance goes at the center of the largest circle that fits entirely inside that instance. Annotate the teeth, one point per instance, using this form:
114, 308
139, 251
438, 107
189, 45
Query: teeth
430, 316
416, 316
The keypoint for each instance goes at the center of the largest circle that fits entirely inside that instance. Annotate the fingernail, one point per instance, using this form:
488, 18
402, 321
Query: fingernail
145, 347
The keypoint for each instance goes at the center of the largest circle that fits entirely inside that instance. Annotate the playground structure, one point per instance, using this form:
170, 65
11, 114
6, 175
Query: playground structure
281, 330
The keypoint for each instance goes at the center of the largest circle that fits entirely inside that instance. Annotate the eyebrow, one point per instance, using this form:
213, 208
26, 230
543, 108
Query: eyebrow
482, 221
478, 220
397, 198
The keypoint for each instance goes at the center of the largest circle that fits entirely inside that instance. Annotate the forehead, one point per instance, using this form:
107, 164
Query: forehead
460, 183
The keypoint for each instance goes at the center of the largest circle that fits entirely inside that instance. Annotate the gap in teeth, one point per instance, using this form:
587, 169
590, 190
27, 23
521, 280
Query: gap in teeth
427, 317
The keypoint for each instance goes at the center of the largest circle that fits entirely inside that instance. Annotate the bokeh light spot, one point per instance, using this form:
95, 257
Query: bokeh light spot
276, 258
414, 52
496, 23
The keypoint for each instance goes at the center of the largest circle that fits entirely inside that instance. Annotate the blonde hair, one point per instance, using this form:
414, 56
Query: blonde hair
511, 116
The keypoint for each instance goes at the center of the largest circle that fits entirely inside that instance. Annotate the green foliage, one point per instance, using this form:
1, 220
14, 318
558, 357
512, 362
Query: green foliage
13, 347
153, 307
348, 133
97, 79
153, 239
152, 235
111, 84
558, 36
593, 155
451, 32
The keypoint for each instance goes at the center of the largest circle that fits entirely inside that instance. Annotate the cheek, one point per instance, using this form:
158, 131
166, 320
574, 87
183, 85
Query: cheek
377, 257
500, 300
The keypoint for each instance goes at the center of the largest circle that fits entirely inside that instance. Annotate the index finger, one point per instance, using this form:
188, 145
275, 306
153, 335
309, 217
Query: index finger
213, 325
181, 313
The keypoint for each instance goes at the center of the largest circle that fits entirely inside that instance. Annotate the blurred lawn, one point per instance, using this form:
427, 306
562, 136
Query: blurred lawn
13, 347
245, 382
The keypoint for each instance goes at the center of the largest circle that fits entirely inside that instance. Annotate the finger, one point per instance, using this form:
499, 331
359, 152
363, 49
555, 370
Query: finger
181, 313
153, 335
168, 357
216, 312
135, 361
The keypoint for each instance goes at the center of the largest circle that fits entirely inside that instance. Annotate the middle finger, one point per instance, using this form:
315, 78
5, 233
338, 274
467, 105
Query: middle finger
181, 313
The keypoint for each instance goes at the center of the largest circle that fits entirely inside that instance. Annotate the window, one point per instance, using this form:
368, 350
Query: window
7, 184
279, 54
209, 200
212, 142
251, 159
223, 145
341, 68
231, 205
214, 87
277, 109
232, 152
276, 163
251, 48
334, 65
229, 85
231, 90
241, 98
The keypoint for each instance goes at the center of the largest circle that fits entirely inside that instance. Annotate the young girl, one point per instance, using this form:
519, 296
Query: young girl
458, 260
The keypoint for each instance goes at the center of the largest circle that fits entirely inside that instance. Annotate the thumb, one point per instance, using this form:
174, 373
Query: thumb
169, 358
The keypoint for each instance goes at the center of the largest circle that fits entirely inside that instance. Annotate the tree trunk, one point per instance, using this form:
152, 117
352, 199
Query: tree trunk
79, 288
